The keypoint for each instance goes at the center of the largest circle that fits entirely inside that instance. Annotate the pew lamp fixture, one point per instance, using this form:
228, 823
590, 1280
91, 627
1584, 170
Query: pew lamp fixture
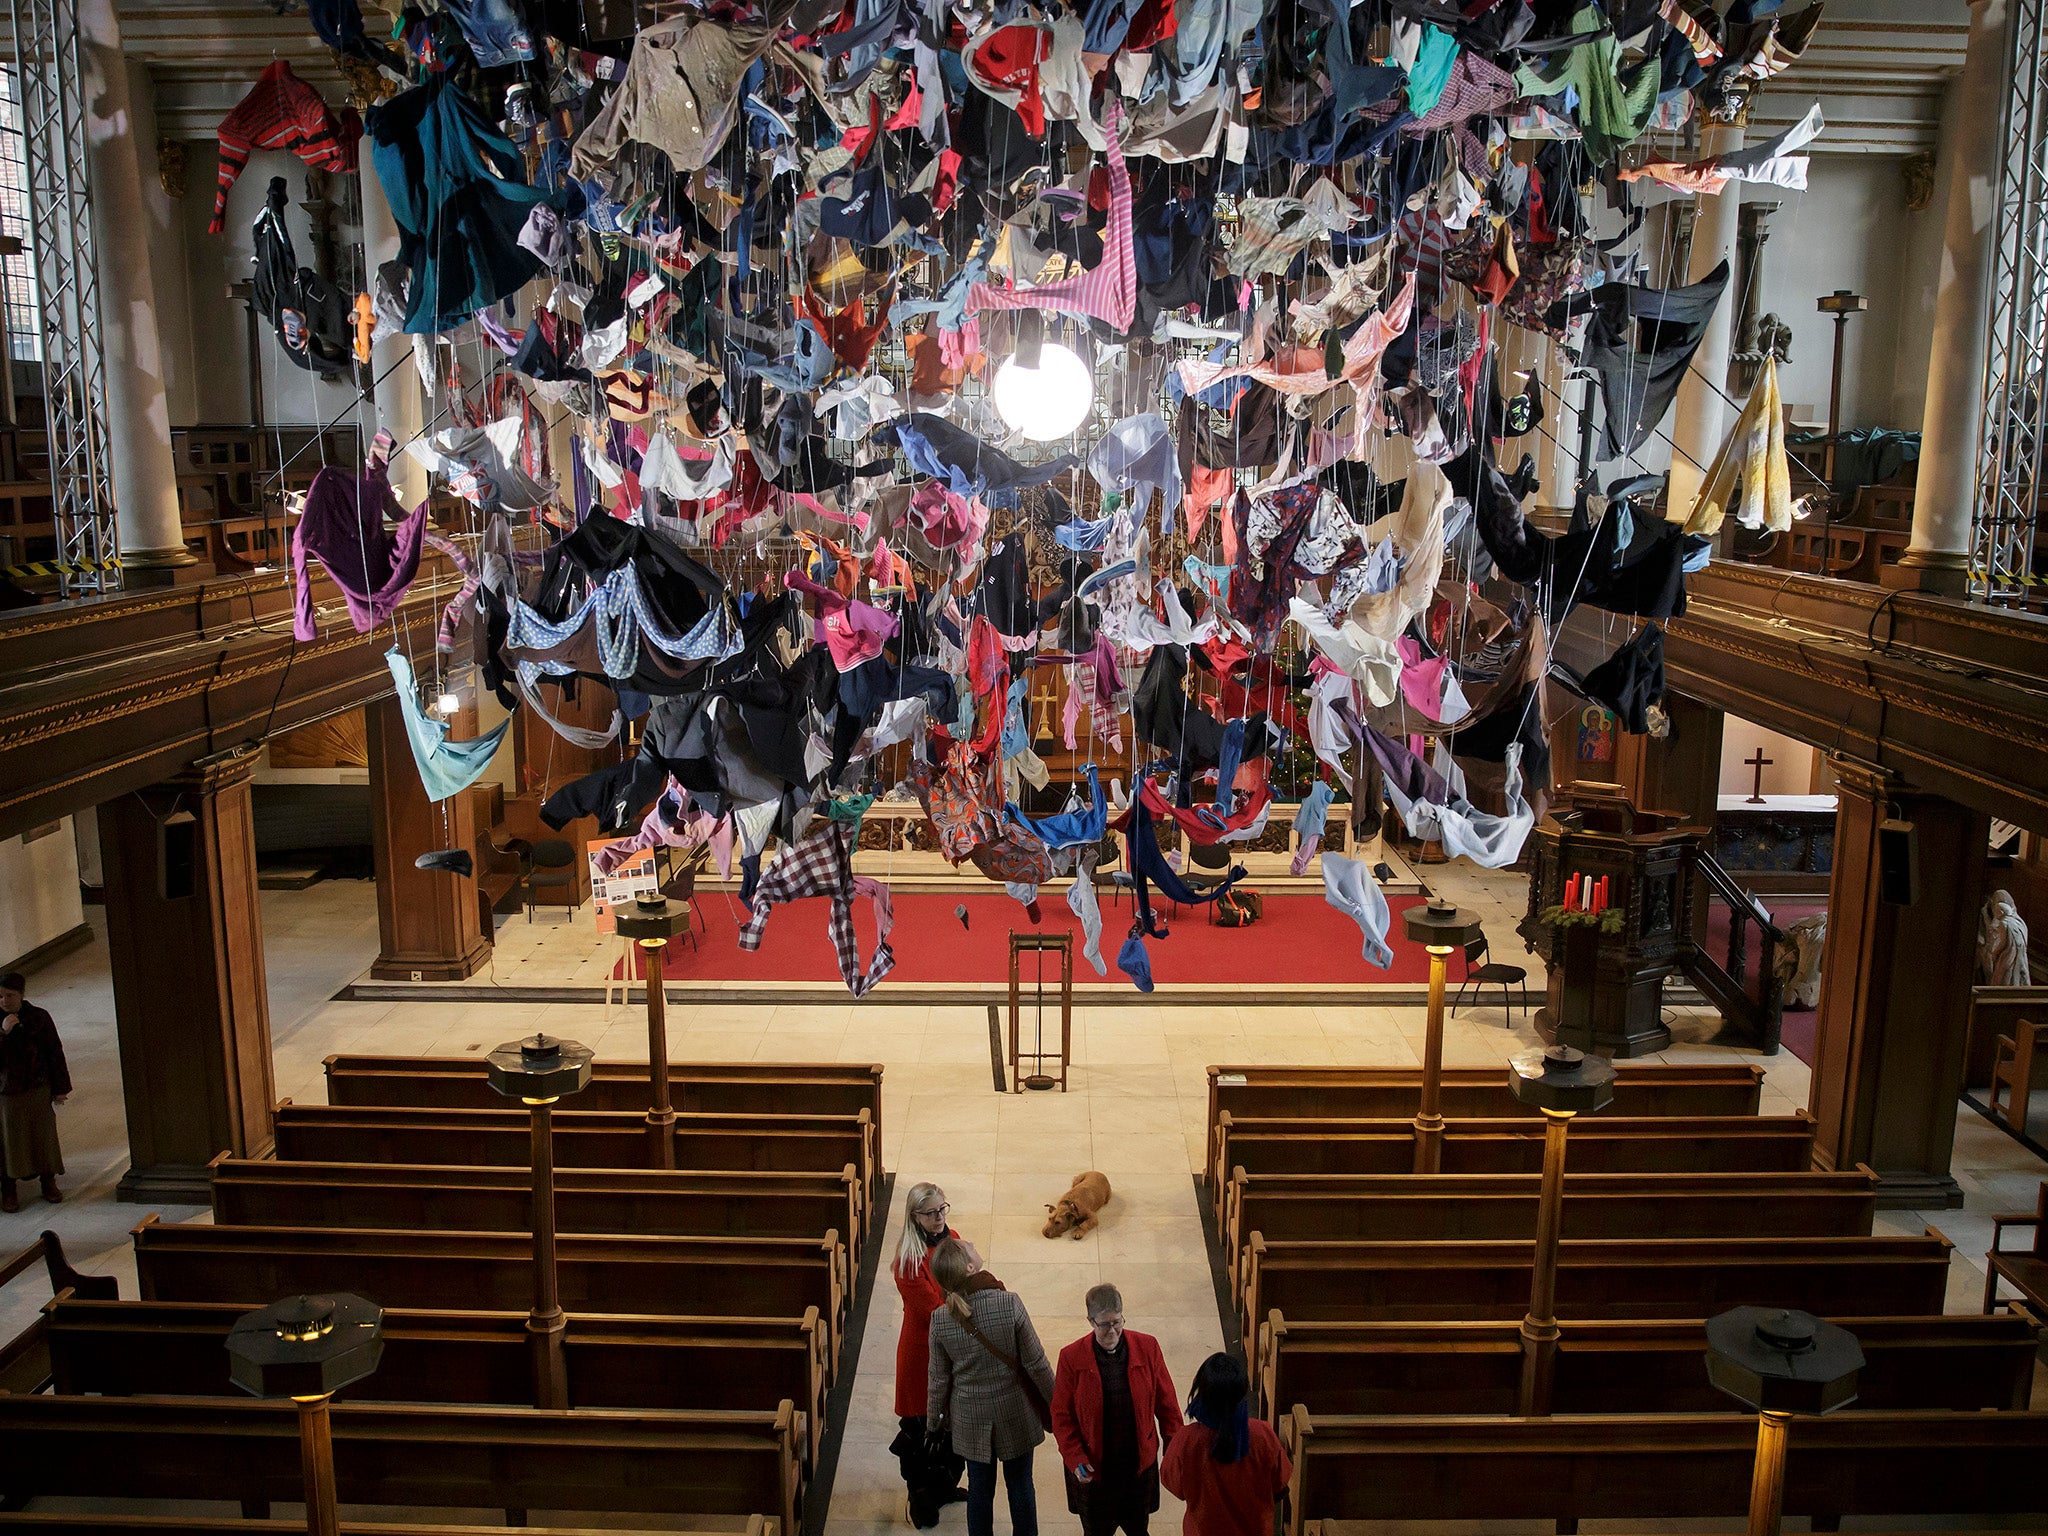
651, 922
537, 1072
1560, 1082
1439, 927
1779, 1363
307, 1348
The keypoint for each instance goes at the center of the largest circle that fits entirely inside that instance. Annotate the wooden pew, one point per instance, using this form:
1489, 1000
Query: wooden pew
1666, 1466
659, 1276
260, 1192
1452, 1207
1600, 1144
57, 1523
500, 1138
1600, 1278
1642, 1366
733, 1088
597, 1461
1377, 1093
730, 1364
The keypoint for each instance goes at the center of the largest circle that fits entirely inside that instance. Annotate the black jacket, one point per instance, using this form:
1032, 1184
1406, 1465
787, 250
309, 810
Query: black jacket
31, 1055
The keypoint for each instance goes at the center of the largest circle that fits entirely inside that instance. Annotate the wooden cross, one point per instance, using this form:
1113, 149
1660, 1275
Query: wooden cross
1759, 763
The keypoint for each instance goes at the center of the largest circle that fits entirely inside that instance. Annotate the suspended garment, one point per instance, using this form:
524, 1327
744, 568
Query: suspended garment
458, 192
282, 112
1771, 163
1349, 887
617, 635
1136, 457
1069, 829
1490, 841
1629, 682
1310, 818
342, 527
1304, 371
1751, 473
446, 767
822, 865
1640, 343
1109, 293
1612, 112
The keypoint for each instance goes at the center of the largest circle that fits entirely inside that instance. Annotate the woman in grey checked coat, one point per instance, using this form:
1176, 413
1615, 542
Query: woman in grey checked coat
978, 1395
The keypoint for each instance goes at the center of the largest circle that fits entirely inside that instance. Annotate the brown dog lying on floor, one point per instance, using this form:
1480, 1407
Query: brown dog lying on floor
1079, 1206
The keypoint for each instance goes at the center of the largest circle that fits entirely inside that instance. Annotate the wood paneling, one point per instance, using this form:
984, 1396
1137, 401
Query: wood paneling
1895, 992
429, 923
190, 997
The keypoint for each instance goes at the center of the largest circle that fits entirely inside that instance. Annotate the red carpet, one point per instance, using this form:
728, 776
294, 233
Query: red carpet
1301, 940
1796, 1026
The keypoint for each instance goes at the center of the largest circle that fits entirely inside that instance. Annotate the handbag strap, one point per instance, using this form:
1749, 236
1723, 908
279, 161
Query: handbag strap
983, 1340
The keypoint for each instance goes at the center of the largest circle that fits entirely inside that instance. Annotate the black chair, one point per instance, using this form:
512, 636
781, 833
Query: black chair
1489, 974
551, 866
681, 887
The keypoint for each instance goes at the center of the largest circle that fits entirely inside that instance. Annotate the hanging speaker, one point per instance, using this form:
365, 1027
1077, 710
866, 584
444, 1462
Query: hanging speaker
1898, 863
177, 856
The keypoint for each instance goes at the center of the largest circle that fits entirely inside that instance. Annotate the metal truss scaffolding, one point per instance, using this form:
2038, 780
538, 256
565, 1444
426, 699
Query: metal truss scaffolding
50, 72
2013, 456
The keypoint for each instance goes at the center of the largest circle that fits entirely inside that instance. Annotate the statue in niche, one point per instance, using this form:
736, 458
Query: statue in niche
1917, 172
2002, 943
1773, 338
1798, 962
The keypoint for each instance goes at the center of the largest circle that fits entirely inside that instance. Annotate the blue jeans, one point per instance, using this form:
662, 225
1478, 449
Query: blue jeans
981, 1497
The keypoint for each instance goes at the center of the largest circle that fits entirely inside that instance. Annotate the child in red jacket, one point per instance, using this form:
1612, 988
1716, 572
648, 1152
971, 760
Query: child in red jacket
1228, 1467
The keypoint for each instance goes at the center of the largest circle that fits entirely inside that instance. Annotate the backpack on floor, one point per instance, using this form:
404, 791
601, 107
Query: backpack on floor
1239, 908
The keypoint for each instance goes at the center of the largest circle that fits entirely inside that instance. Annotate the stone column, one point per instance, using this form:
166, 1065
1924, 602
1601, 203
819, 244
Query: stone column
185, 945
430, 925
391, 365
138, 414
1945, 490
1700, 417
1895, 991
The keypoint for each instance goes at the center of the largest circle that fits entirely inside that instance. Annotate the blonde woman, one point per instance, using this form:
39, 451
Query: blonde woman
930, 1470
990, 1386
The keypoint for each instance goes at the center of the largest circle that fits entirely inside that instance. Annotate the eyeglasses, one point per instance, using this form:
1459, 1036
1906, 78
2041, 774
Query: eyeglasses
935, 1210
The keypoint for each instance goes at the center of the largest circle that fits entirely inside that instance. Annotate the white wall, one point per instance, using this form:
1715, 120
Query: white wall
219, 325
1790, 771
38, 891
1850, 229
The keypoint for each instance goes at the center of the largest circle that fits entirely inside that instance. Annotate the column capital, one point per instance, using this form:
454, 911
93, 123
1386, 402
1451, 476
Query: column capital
1867, 780
219, 771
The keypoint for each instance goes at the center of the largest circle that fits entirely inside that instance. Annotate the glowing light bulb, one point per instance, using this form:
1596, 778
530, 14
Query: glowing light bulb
448, 703
1048, 401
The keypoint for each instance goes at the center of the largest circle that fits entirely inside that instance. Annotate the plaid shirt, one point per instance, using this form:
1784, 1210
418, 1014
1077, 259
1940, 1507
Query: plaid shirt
822, 865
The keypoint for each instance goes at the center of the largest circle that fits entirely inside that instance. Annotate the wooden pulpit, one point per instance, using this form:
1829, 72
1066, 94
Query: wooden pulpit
1607, 970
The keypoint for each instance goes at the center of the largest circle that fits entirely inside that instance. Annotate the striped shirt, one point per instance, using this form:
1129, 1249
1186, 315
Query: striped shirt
1109, 292
281, 111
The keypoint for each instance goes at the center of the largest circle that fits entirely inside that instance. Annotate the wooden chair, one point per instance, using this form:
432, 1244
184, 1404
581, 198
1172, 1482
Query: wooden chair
2026, 1272
1491, 973
2012, 1070
681, 887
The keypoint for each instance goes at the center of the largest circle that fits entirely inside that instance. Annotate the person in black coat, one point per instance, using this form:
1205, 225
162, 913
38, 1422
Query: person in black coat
33, 1079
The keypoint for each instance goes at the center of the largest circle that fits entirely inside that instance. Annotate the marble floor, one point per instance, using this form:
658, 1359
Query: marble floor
1134, 1110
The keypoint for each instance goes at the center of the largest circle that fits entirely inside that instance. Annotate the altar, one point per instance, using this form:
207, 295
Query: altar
1776, 845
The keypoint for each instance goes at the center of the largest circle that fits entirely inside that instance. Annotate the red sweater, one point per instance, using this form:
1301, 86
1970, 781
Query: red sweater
1233, 1500
1077, 1401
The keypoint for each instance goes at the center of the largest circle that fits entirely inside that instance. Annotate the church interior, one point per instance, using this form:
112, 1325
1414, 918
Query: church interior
1343, 685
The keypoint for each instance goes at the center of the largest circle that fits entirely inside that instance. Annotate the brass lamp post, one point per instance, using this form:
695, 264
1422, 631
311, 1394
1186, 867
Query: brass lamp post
537, 1072
1561, 1082
1779, 1363
1441, 928
651, 922
307, 1348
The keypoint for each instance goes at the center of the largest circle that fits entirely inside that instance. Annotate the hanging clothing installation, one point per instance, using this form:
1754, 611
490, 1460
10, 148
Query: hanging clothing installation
446, 767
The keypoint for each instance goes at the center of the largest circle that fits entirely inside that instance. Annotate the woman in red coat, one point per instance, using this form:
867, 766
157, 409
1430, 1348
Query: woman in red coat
1113, 1406
1229, 1467
932, 1473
